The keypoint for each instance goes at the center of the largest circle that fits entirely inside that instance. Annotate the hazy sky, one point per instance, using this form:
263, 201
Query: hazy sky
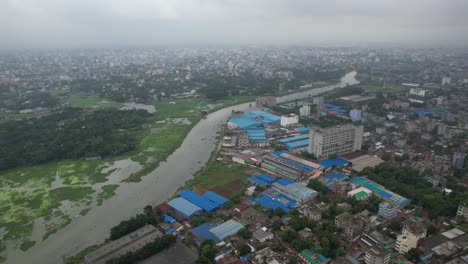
75, 23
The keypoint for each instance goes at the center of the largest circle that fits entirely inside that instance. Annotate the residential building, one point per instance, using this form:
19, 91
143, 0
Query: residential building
411, 233
290, 119
352, 225
129, 243
462, 212
304, 110
377, 255
265, 101
262, 234
355, 114
458, 160
318, 101
338, 140
388, 210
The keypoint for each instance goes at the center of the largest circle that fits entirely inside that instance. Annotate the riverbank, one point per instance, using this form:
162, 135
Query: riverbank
131, 197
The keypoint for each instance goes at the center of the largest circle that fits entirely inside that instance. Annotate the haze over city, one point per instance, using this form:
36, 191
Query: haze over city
103, 23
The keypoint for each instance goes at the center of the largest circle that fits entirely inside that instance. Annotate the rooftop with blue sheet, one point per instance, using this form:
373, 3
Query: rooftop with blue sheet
294, 190
328, 179
337, 162
262, 180
380, 191
337, 108
217, 233
251, 122
292, 139
199, 201
184, 207
297, 144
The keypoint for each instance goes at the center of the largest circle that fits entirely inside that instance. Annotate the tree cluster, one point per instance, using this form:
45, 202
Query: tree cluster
68, 134
133, 224
410, 183
147, 251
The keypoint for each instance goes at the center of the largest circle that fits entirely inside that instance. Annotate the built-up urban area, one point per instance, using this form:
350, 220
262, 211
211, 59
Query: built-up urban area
373, 172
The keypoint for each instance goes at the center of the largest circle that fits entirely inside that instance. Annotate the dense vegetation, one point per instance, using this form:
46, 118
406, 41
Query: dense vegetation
70, 133
147, 251
125, 227
411, 184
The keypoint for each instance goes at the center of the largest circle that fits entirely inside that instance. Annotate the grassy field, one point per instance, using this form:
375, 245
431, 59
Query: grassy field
384, 89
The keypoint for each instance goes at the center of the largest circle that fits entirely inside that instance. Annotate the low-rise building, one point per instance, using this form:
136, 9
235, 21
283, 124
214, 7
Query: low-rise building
129, 243
377, 255
262, 234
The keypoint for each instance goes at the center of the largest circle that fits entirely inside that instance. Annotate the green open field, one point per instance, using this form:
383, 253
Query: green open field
384, 89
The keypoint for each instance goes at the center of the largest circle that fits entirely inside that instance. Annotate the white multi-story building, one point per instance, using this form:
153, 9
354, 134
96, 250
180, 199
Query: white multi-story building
410, 234
338, 140
304, 110
287, 120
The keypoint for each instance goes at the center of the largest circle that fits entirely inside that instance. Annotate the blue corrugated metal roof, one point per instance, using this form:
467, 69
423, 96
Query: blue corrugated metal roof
168, 219
302, 129
269, 203
184, 207
297, 144
226, 229
203, 233
215, 198
258, 181
335, 176
285, 181
290, 139
244, 122
198, 200
333, 162
266, 177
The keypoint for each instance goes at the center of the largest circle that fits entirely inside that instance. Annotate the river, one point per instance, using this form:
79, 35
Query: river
156, 187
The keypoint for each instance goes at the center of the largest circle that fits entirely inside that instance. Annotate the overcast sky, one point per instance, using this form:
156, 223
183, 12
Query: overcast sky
84, 23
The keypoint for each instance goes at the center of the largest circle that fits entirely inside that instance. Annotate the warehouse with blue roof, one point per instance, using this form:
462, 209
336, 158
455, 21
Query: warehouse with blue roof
292, 139
184, 207
337, 162
251, 122
264, 180
199, 201
215, 198
294, 190
217, 233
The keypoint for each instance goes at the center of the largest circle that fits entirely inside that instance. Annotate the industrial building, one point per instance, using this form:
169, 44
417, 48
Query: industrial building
216, 233
129, 243
279, 167
184, 207
335, 140
199, 201
264, 180
294, 190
